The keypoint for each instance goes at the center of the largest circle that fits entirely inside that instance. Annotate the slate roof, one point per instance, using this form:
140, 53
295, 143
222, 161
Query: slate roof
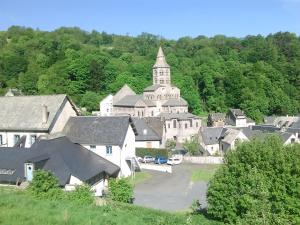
93, 130
211, 135
24, 113
265, 128
153, 87
230, 135
131, 100
60, 156
217, 116
250, 134
175, 102
144, 130
294, 128
157, 124
284, 135
237, 112
179, 116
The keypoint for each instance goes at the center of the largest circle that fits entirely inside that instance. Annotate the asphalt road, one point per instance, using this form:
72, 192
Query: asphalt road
171, 192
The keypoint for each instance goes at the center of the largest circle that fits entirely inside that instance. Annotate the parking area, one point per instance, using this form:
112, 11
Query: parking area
171, 191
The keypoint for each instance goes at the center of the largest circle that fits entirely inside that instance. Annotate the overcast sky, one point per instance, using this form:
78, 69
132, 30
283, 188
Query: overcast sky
167, 18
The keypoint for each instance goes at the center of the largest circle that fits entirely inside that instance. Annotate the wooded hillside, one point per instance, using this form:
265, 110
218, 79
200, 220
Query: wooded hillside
260, 75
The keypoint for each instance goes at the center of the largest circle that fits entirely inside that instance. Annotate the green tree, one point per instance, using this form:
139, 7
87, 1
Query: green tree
120, 190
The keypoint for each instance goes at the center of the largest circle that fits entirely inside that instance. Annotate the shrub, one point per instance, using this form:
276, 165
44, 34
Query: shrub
82, 195
141, 152
45, 185
259, 184
170, 144
192, 146
120, 190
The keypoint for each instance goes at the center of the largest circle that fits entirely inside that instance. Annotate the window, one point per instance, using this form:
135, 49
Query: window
185, 125
16, 138
196, 124
1, 140
108, 149
169, 125
32, 139
174, 123
152, 114
191, 123
92, 147
161, 73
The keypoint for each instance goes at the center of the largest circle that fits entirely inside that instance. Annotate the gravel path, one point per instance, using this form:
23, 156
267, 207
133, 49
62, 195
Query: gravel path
171, 192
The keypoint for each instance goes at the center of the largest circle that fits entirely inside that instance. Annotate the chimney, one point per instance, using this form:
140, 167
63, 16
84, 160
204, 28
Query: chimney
44, 114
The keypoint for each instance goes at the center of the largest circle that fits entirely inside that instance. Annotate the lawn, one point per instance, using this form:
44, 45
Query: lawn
139, 177
17, 207
205, 173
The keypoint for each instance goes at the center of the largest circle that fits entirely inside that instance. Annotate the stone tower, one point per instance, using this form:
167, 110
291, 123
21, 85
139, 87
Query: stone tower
161, 70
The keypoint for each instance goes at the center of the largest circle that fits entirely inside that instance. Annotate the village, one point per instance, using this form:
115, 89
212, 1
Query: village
50, 132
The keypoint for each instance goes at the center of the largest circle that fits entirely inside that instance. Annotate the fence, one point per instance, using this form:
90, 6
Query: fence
161, 168
204, 159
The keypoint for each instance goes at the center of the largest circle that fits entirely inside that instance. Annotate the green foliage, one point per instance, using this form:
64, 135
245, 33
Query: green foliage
192, 146
259, 184
82, 195
258, 74
45, 185
141, 152
120, 190
170, 144
17, 208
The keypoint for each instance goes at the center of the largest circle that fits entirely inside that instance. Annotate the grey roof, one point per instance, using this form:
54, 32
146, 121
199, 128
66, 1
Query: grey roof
178, 116
160, 59
93, 130
144, 130
284, 135
131, 100
211, 135
295, 125
60, 156
269, 120
265, 128
230, 135
294, 128
153, 87
217, 116
24, 113
250, 134
175, 102
157, 124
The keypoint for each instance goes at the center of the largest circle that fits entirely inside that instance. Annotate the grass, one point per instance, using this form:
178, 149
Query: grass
205, 173
17, 207
139, 177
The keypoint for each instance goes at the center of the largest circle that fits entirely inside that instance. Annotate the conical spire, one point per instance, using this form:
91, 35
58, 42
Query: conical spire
160, 59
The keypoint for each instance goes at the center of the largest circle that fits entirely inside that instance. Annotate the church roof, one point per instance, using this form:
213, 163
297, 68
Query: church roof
178, 116
125, 90
175, 102
160, 59
153, 87
131, 100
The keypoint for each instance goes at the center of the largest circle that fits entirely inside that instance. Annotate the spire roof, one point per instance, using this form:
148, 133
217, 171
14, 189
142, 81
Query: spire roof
160, 59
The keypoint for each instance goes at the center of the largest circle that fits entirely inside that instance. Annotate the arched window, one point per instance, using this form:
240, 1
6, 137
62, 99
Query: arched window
161, 73
185, 126
174, 123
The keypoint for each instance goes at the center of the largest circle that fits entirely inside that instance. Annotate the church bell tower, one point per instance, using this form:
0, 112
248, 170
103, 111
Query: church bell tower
161, 70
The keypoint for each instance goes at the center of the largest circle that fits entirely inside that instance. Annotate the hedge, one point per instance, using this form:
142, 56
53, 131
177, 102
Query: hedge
141, 152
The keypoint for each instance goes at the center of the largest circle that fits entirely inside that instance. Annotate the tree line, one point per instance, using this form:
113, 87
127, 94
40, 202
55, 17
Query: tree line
260, 75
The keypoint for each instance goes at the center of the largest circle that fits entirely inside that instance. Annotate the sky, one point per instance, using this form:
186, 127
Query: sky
170, 19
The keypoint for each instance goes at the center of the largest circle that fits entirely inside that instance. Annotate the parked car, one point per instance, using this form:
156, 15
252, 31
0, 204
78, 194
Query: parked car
148, 159
174, 161
160, 160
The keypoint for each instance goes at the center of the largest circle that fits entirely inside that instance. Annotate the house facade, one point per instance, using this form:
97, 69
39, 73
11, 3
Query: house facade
25, 118
112, 138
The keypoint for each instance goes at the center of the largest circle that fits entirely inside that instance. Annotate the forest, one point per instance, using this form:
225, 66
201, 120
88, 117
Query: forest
259, 74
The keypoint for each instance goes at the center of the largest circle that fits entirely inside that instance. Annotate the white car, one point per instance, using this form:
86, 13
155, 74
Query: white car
174, 161
148, 159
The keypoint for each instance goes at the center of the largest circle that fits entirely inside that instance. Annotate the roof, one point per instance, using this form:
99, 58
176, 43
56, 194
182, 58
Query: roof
281, 121
125, 90
160, 59
132, 100
211, 135
93, 130
237, 112
230, 135
175, 102
144, 130
24, 113
157, 124
265, 128
284, 136
178, 116
153, 87
217, 116
250, 134
60, 156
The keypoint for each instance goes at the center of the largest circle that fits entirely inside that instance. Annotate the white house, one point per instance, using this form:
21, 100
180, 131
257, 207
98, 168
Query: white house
209, 139
230, 138
111, 137
70, 163
106, 106
24, 118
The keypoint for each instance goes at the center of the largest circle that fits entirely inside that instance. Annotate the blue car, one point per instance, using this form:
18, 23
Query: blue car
160, 160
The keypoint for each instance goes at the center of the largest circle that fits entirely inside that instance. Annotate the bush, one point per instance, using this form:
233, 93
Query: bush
259, 184
45, 185
82, 195
141, 152
120, 190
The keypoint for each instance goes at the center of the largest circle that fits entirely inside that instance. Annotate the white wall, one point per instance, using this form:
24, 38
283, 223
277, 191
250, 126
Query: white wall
212, 149
106, 106
8, 138
147, 144
241, 122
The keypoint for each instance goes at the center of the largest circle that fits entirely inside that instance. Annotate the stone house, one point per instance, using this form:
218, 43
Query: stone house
216, 120
25, 118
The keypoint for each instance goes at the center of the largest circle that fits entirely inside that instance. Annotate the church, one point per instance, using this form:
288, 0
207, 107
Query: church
161, 99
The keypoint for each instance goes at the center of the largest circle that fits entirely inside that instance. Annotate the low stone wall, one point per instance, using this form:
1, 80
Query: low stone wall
157, 167
204, 159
